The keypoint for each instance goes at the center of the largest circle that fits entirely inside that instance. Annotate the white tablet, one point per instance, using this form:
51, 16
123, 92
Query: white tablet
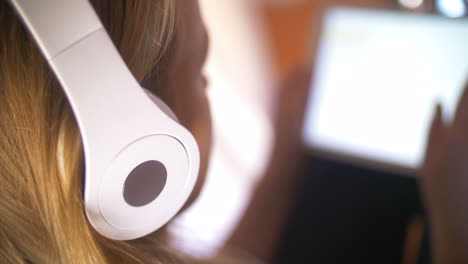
378, 77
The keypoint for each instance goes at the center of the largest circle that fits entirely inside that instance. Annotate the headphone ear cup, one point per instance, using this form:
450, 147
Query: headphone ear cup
163, 106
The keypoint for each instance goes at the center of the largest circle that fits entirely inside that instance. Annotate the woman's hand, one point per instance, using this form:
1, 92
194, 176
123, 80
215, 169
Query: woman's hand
444, 185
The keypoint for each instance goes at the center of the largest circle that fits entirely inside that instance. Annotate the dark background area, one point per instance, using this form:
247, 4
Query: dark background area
347, 214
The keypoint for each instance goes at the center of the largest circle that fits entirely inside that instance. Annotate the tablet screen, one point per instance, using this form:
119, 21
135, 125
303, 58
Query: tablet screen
378, 77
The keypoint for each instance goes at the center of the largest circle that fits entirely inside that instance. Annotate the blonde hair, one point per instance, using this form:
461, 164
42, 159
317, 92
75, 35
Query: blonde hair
41, 159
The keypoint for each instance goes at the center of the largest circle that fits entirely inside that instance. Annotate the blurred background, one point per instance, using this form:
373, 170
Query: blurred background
253, 45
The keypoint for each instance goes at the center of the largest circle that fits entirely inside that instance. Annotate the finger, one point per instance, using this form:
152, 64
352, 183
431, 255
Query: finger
436, 133
461, 116
436, 126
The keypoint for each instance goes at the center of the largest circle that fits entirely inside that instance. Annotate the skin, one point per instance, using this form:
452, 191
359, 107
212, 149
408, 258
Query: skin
444, 184
180, 83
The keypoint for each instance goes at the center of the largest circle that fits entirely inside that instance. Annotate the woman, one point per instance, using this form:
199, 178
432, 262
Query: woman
164, 44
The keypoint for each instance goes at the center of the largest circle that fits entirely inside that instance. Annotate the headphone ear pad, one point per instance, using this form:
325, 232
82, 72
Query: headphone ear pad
163, 106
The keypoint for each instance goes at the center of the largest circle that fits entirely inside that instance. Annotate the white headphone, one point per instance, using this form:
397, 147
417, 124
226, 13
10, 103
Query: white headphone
141, 165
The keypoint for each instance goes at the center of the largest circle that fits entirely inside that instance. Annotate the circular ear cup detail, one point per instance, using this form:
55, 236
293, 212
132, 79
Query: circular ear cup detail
133, 198
145, 183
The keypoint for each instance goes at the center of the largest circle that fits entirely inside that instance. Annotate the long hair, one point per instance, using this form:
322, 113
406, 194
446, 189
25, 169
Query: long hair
41, 158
